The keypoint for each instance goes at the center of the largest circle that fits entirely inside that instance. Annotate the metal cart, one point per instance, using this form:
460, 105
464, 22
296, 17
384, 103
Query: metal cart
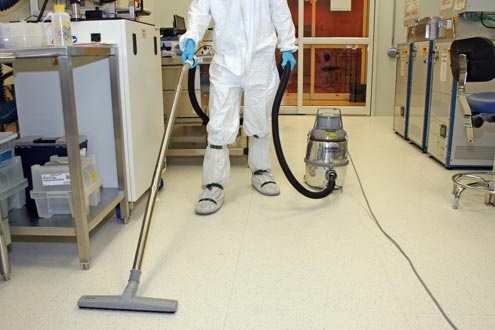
65, 59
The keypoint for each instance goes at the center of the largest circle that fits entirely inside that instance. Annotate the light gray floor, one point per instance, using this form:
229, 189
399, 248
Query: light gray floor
281, 262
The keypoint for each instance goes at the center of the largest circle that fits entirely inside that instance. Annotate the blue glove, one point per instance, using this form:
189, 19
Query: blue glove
188, 53
288, 57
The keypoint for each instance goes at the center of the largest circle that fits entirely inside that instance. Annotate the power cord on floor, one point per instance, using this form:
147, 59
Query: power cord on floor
445, 316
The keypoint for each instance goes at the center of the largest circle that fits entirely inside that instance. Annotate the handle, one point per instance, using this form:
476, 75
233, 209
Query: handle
155, 183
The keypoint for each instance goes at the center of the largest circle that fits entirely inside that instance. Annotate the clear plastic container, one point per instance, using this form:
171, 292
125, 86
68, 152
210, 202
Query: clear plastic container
12, 185
10, 173
54, 175
14, 197
51, 203
23, 35
51, 186
7, 145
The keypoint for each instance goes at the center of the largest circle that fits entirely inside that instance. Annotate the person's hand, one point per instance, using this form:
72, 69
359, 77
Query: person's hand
188, 53
287, 57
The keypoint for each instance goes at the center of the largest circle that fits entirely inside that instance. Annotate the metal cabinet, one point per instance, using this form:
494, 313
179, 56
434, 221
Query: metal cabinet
189, 137
419, 106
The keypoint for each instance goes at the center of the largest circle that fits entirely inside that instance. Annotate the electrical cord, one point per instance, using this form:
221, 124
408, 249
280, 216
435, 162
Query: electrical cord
394, 242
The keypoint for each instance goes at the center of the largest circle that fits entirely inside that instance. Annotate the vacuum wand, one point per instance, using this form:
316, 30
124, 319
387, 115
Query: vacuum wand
128, 299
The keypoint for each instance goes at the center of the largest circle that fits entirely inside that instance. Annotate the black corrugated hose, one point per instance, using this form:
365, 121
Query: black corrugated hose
284, 80
6, 4
192, 96
8, 110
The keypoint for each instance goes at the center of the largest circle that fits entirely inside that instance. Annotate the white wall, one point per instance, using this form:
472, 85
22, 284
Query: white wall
165, 9
382, 102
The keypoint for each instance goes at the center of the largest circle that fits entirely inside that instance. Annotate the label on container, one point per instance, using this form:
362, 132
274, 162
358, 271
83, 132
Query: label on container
59, 179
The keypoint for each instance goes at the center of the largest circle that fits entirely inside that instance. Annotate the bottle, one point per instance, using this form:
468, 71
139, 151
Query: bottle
61, 29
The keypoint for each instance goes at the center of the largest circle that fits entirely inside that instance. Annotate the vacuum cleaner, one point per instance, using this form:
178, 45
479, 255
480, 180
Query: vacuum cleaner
128, 299
326, 154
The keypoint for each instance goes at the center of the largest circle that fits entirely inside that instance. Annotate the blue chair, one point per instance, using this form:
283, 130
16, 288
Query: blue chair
473, 60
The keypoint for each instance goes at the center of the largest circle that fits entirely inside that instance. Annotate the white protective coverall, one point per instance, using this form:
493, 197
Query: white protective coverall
244, 41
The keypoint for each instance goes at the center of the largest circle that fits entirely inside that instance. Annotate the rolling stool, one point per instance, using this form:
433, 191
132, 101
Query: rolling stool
473, 60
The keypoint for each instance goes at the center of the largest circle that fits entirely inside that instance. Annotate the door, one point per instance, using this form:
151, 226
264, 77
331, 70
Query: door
334, 57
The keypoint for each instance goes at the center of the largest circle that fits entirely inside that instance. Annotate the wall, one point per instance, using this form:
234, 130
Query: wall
382, 102
165, 9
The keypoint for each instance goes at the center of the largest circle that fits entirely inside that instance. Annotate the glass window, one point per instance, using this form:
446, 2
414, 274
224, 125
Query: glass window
334, 74
321, 21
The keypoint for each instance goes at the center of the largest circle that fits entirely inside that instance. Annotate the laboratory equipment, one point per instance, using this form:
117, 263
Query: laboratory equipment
447, 141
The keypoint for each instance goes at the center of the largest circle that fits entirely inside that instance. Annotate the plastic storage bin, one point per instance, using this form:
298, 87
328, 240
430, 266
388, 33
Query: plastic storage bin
12, 185
6, 145
36, 150
51, 186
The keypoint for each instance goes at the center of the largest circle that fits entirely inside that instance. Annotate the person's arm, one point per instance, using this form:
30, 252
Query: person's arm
198, 20
282, 20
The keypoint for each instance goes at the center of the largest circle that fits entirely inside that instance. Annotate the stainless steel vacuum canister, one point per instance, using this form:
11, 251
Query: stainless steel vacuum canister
326, 153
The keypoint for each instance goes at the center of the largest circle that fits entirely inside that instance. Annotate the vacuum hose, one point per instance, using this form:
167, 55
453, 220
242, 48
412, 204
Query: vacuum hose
8, 109
284, 80
192, 96
275, 132
6, 4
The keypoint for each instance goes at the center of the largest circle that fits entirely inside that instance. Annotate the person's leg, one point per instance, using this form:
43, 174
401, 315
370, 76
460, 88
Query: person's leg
225, 96
259, 92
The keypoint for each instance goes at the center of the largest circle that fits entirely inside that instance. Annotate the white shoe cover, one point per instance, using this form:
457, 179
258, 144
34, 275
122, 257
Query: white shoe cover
264, 182
210, 200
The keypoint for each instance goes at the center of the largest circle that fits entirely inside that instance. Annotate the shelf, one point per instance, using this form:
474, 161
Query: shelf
24, 224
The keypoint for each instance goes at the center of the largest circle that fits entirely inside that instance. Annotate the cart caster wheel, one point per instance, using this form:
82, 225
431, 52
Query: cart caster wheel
160, 185
85, 266
6, 277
